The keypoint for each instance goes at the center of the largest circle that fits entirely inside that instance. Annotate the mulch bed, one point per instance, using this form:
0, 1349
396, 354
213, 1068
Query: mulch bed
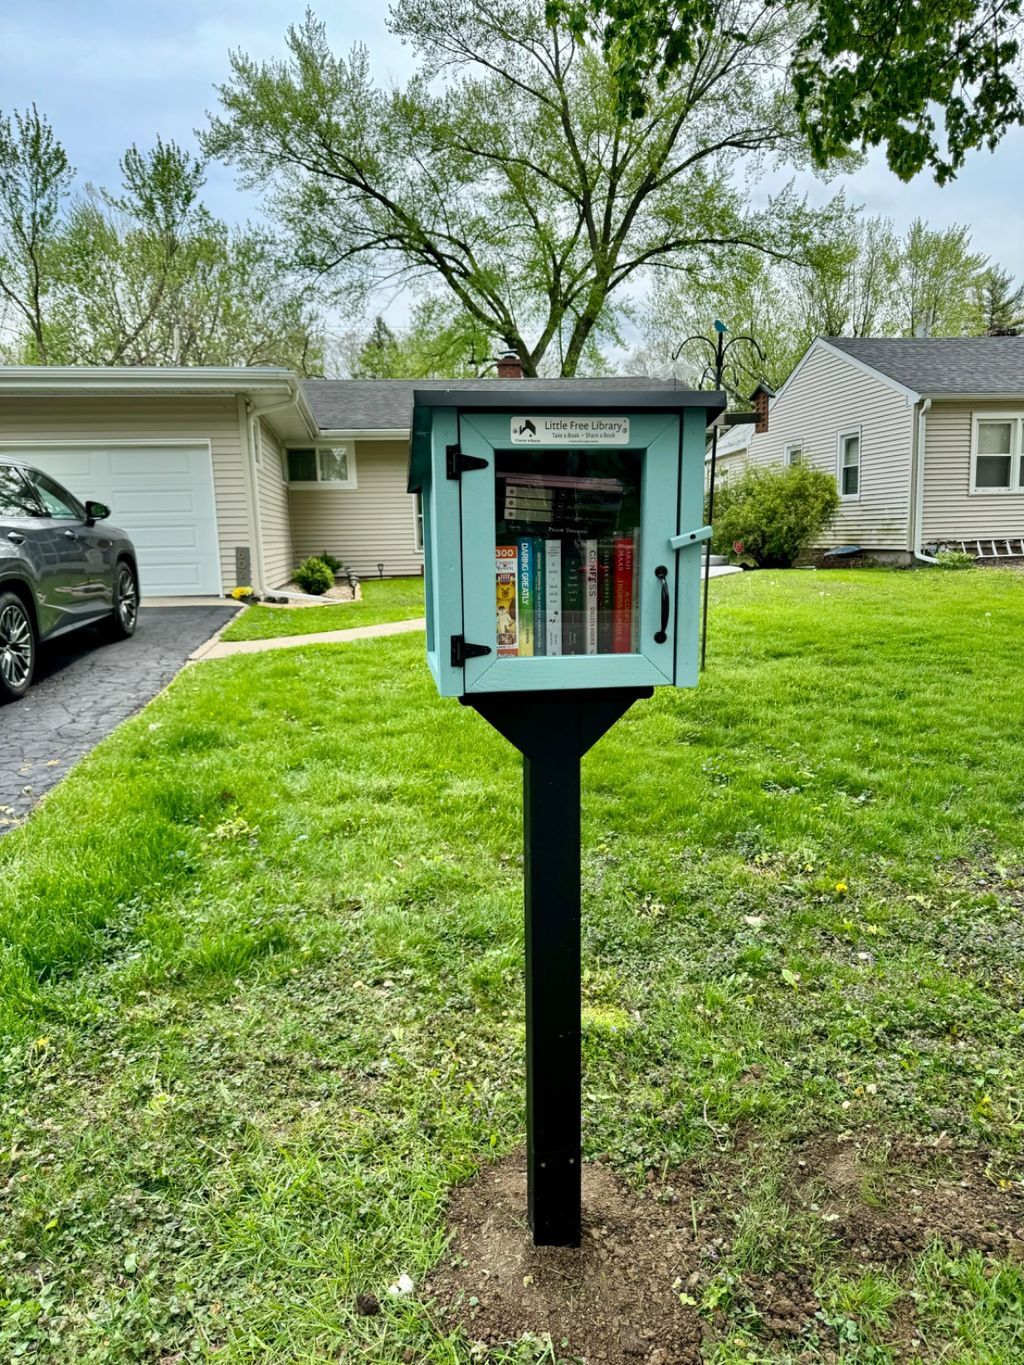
617, 1300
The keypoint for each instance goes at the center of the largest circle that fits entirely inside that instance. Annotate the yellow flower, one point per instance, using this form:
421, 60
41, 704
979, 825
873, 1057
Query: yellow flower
842, 888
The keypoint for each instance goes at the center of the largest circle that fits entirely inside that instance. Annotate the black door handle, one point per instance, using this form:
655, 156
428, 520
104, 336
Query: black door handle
70, 535
660, 636
15, 538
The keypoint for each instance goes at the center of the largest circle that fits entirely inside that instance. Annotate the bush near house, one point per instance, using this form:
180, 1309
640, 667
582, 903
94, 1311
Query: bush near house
314, 576
775, 513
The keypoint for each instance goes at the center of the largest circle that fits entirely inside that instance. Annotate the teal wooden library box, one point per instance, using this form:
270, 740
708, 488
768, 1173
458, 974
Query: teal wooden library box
562, 533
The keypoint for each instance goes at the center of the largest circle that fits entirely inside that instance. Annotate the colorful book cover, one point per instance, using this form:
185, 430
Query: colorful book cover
552, 597
505, 560
572, 599
590, 595
622, 595
605, 592
524, 597
539, 599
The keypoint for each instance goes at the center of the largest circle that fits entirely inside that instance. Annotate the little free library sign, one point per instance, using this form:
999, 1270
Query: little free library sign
562, 564
570, 431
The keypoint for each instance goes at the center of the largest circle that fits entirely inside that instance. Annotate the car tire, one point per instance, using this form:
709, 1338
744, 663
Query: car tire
125, 616
17, 647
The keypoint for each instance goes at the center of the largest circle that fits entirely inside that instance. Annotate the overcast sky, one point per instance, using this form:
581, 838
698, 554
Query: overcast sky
111, 72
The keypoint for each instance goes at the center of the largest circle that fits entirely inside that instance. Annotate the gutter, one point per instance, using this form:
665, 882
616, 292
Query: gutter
918, 528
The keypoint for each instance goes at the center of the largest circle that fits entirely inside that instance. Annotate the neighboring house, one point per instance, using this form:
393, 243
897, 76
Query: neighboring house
923, 435
228, 477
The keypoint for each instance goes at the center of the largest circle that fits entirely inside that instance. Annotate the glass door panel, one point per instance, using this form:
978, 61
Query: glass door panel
567, 551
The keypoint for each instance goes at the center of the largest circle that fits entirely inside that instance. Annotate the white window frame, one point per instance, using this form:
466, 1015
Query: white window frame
1016, 485
417, 523
787, 454
317, 446
842, 436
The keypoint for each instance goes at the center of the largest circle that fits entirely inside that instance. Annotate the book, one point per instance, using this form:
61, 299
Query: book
604, 595
590, 596
505, 561
572, 599
552, 597
525, 579
539, 599
634, 625
622, 595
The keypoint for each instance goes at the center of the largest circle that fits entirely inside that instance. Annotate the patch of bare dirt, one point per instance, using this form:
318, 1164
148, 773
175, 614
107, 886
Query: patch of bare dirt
614, 1300
635, 1291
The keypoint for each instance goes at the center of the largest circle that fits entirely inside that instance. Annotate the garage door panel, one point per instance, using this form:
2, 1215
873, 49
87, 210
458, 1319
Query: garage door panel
162, 496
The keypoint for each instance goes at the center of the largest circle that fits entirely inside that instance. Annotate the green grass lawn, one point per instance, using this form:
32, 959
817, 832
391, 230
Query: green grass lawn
385, 599
261, 982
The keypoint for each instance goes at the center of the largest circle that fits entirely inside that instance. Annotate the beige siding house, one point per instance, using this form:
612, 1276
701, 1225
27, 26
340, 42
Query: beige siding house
924, 437
228, 477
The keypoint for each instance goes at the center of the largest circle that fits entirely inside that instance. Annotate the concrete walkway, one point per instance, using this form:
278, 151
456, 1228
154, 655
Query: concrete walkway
222, 649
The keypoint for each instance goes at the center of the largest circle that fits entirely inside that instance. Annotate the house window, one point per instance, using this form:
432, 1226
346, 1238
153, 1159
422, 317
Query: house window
793, 455
417, 514
849, 464
997, 465
333, 465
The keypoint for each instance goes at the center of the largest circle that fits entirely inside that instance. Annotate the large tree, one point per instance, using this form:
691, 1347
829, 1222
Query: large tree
141, 276
1000, 304
927, 80
35, 180
506, 171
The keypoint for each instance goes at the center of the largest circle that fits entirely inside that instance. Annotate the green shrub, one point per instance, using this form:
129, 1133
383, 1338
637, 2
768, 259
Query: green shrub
954, 559
774, 514
333, 563
313, 576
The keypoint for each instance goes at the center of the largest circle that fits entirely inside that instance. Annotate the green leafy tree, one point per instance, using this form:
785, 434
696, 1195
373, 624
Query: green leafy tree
936, 289
35, 180
863, 73
506, 173
143, 276
1000, 305
774, 514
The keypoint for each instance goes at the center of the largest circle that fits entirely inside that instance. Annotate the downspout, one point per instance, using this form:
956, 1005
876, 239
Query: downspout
252, 479
922, 433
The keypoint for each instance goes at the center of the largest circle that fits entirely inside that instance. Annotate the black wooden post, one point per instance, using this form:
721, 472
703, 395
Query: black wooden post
553, 730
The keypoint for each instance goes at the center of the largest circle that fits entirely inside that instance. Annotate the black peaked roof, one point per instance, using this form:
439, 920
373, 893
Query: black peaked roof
386, 404
943, 365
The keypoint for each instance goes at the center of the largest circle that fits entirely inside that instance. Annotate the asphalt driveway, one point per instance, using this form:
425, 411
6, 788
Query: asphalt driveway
86, 686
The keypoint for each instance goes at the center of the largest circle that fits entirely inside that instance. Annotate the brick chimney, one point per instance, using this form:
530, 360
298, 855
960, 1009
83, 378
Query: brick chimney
760, 398
510, 366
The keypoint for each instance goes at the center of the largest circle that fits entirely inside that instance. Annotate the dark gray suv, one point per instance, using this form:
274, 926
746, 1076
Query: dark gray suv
59, 570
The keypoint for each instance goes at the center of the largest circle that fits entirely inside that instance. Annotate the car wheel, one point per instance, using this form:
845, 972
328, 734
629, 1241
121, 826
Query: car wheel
126, 602
17, 647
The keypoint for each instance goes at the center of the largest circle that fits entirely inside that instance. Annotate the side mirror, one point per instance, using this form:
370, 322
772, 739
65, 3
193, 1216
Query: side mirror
96, 511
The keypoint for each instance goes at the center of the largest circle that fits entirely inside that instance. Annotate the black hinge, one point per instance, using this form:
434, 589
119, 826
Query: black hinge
458, 464
463, 650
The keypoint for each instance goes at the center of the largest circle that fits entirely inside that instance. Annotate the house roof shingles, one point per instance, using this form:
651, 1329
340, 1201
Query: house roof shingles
943, 365
386, 404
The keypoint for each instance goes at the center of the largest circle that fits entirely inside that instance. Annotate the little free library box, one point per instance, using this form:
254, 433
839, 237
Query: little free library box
562, 531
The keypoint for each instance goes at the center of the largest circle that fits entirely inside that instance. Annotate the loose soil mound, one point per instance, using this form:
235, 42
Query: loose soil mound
630, 1294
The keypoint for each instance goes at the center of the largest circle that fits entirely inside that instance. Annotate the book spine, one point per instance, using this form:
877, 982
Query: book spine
553, 597
572, 599
634, 640
505, 561
590, 590
622, 595
605, 593
539, 599
524, 598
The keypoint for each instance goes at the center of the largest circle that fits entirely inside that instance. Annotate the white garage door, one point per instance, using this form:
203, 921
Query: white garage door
161, 495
